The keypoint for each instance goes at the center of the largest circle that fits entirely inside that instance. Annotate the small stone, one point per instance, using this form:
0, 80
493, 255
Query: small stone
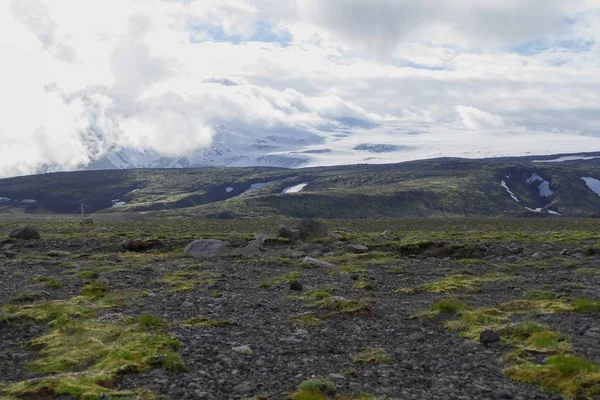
58, 253
245, 350
243, 388
538, 255
103, 280
357, 249
187, 304
316, 263
296, 286
503, 394
337, 377
417, 337
488, 337
565, 252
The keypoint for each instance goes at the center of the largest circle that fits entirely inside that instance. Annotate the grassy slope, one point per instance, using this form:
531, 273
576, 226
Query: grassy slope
442, 187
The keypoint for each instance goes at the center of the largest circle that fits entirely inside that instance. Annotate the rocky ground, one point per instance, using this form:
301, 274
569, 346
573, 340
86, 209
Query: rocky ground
261, 319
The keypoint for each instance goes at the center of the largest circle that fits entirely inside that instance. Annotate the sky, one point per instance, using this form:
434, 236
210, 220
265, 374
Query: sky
79, 78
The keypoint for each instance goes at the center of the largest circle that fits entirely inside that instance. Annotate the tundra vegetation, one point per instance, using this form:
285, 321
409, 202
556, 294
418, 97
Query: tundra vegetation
390, 309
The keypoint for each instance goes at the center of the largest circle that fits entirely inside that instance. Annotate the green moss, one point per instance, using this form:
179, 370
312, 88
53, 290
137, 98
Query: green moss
445, 306
588, 271
203, 321
285, 278
586, 306
314, 389
536, 306
456, 282
373, 355
538, 294
364, 284
94, 290
183, 281
79, 307
306, 320
572, 376
472, 322
83, 355
471, 261
150, 321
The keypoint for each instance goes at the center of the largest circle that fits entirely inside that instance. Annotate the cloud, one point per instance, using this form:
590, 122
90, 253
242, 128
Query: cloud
80, 79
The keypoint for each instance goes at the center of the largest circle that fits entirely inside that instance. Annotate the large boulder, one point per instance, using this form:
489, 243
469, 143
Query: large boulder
25, 233
287, 233
310, 229
206, 249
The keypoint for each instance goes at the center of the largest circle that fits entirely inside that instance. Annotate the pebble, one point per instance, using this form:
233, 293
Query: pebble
245, 350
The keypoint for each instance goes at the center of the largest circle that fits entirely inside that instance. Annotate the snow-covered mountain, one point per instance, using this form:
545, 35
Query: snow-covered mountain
345, 144
228, 148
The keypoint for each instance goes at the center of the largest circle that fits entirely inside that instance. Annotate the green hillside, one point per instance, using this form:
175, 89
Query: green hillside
431, 188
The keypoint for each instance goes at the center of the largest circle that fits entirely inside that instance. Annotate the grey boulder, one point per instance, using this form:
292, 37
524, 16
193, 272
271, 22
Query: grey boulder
206, 249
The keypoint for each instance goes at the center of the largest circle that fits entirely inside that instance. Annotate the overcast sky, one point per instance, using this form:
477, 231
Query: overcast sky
80, 77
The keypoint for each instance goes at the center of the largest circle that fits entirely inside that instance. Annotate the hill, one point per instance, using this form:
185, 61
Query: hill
447, 187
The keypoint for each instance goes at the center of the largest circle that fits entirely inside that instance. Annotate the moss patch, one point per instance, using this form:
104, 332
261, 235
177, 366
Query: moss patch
373, 355
456, 282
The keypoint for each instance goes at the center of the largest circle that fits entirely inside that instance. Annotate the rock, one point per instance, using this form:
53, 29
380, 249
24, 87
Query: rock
187, 304
538, 255
252, 251
417, 337
565, 252
136, 245
58, 253
336, 377
356, 249
488, 337
503, 394
245, 350
296, 286
297, 254
114, 258
26, 233
287, 233
311, 229
316, 263
103, 280
206, 249
243, 388
88, 221
99, 230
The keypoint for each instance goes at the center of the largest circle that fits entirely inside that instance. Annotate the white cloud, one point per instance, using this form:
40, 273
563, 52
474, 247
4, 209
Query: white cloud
80, 78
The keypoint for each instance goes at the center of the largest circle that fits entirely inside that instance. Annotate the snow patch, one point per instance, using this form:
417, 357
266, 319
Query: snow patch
593, 184
553, 212
4, 199
229, 189
567, 158
28, 201
505, 186
258, 186
295, 189
117, 203
544, 187
545, 190
534, 178
135, 190
537, 210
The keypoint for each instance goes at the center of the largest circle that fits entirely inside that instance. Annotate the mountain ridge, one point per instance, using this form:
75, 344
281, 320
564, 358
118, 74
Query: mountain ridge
532, 186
